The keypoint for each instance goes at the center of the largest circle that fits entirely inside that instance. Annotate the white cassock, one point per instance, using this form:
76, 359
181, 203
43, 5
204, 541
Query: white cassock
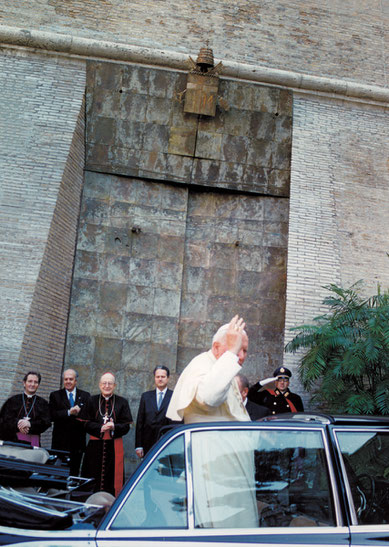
224, 473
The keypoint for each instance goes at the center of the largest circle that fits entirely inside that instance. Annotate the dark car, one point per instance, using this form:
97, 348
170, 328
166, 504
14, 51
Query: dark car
295, 479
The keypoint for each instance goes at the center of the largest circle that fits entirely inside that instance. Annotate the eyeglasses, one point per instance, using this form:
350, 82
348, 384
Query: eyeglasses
107, 383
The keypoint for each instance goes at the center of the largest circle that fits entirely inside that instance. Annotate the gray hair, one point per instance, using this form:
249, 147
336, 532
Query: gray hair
243, 380
70, 370
221, 333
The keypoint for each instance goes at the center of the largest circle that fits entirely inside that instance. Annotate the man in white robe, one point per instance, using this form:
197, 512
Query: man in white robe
207, 391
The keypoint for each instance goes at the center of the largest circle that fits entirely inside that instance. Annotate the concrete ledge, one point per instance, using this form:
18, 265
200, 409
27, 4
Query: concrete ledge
74, 45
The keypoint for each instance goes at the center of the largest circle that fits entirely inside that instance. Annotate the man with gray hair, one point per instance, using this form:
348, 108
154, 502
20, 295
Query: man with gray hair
66, 404
207, 390
108, 419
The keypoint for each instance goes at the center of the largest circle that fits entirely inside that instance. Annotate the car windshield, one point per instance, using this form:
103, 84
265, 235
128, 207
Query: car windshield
366, 461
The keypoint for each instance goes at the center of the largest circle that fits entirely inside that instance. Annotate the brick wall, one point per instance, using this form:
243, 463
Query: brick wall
41, 164
337, 38
338, 223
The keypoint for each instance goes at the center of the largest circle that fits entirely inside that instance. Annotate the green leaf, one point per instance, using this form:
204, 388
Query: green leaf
345, 363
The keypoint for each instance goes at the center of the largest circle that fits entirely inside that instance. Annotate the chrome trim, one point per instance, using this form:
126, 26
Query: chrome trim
350, 501
189, 480
360, 429
228, 532
367, 529
333, 482
24, 534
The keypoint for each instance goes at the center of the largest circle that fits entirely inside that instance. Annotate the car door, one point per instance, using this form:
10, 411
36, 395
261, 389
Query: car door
235, 483
364, 454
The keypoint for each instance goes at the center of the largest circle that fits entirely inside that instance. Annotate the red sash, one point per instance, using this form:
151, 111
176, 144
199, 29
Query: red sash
291, 405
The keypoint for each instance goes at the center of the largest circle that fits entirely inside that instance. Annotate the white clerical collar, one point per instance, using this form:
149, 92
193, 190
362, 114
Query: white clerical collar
161, 390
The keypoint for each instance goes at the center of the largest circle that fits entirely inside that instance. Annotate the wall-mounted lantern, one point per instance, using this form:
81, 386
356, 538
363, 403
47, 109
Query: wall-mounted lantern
201, 93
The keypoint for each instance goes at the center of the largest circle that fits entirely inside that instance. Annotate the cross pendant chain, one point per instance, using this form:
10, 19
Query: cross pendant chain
105, 419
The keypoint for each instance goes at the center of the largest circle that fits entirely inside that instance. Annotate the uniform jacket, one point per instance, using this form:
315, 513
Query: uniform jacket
275, 401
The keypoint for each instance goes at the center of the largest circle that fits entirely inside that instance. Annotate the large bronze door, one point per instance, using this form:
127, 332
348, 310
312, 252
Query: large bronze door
160, 267
127, 280
235, 262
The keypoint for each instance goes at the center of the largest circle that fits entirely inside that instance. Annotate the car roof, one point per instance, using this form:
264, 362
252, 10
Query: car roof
341, 419
295, 420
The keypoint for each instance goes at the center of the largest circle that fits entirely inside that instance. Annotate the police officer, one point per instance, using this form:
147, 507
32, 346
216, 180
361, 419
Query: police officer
280, 399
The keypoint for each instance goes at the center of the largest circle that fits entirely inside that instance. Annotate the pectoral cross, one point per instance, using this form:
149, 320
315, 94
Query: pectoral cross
105, 419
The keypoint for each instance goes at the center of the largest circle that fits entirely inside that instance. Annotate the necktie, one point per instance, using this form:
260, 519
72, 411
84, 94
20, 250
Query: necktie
160, 398
71, 400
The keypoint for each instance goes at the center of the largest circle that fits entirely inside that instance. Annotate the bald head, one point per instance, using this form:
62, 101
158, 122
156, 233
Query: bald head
107, 384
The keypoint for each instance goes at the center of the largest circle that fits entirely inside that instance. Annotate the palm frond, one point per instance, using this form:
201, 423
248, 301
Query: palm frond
346, 351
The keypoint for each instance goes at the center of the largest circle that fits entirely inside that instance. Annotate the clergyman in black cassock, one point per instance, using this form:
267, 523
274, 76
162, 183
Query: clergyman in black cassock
66, 406
25, 416
108, 419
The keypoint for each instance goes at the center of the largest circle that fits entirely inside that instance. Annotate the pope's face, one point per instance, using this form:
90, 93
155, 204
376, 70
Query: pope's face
243, 350
220, 347
161, 379
107, 385
31, 384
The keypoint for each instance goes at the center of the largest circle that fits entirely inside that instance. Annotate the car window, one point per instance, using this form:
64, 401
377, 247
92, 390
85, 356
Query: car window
159, 498
263, 478
366, 461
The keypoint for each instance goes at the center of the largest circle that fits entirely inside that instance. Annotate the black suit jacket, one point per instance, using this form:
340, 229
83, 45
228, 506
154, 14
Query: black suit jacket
68, 431
256, 411
150, 419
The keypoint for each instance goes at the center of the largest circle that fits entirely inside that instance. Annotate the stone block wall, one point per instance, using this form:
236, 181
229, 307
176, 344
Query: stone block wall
338, 222
41, 166
137, 126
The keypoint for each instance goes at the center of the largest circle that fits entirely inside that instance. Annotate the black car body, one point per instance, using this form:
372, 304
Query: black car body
295, 479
